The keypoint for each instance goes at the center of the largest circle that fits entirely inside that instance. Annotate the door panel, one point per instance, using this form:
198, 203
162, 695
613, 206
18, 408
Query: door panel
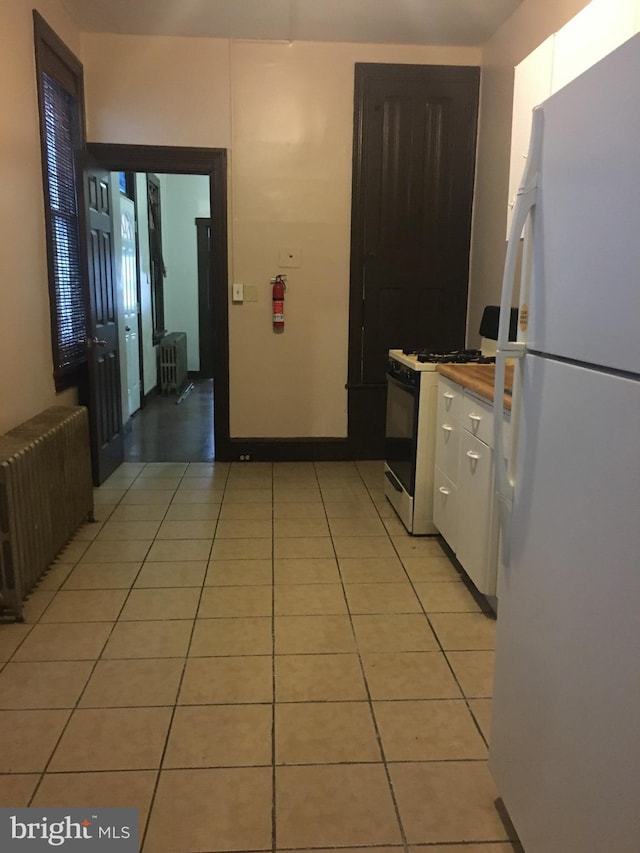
104, 404
414, 155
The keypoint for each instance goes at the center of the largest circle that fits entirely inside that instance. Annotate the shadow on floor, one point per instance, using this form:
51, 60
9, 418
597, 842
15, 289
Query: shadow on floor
164, 431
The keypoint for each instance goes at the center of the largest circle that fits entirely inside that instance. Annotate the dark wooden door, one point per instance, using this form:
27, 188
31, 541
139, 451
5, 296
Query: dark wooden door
414, 156
103, 394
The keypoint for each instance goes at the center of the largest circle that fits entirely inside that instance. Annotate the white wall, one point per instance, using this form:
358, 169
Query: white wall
528, 27
184, 198
285, 111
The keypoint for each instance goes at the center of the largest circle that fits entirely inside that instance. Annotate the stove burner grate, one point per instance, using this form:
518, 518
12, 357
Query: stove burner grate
466, 356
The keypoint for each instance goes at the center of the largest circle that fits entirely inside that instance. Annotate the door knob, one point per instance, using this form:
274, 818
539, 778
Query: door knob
90, 342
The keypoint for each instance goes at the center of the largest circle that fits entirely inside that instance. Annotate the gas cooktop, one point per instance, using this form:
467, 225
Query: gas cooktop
464, 356
421, 360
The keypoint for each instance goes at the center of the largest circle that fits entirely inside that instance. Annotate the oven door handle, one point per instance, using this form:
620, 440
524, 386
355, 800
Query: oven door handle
393, 480
405, 386
365, 386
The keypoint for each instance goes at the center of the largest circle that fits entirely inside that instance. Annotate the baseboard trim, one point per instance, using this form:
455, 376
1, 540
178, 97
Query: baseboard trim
287, 450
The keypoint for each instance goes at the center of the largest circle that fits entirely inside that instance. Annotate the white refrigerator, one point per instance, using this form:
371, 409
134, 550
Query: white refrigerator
565, 742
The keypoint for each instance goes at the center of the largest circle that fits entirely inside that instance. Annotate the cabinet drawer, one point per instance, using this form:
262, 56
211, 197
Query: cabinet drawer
477, 418
445, 508
477, 532
449, 400
448, 448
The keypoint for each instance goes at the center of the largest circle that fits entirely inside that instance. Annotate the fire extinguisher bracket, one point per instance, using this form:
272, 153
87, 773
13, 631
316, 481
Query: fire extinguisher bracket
278, 287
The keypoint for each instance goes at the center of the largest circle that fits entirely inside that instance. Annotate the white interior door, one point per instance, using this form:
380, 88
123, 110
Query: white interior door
131, 353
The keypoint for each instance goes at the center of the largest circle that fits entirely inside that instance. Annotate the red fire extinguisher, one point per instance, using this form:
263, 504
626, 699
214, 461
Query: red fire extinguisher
279, 285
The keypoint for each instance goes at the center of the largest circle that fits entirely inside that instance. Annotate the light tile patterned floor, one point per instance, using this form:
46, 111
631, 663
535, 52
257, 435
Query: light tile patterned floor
258, 658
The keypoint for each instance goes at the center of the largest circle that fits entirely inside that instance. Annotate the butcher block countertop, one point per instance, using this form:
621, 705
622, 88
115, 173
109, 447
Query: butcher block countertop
478, 378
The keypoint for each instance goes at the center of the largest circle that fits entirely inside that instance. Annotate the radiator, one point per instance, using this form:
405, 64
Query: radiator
173, 362
46, 492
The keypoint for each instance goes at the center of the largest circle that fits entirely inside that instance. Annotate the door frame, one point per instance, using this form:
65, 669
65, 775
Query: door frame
361, 397
129, 196
211, 162
203, 248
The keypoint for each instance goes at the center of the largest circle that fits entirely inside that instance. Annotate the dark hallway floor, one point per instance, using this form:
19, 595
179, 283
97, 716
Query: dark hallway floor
164, 431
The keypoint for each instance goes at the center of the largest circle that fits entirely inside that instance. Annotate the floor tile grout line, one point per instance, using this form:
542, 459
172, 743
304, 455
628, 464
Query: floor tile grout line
143, 835
374, 720
438, 640
95, 660
441, 647
240, 703
93, 669
274, 813
388, 533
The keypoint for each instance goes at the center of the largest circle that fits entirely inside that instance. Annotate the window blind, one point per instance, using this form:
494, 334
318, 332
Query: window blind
61, 143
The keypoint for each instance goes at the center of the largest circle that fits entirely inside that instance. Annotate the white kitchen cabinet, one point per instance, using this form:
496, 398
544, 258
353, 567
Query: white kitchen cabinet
465, 507
448, 420
594, 32
477, 540
450, 397
477, 417
445, 508
531, 86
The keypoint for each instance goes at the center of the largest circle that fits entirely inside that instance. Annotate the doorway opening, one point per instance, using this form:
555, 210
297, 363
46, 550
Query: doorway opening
180, 245
162, 253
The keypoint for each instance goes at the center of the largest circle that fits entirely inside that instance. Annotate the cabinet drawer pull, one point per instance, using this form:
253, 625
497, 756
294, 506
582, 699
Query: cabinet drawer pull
443, 490
475, 418
447, 428
472, 455
448, 395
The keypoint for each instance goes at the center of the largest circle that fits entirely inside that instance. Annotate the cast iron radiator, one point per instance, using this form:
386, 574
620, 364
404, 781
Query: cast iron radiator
173, 362
46, 492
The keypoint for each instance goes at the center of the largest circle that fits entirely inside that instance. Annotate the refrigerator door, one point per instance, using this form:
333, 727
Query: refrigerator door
565, 750
585, 296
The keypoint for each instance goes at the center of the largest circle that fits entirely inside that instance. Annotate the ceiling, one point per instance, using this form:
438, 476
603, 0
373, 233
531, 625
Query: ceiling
434, 22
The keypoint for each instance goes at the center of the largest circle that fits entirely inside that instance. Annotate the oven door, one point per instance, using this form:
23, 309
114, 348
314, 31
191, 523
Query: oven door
401, 431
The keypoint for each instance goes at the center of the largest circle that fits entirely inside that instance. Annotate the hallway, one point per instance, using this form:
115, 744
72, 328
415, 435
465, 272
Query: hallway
259, 658
166, 431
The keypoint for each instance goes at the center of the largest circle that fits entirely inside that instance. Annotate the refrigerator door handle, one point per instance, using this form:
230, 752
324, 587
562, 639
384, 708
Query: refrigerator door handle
525, 202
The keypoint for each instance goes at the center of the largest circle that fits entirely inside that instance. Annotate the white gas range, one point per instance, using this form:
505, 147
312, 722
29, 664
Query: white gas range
410, 440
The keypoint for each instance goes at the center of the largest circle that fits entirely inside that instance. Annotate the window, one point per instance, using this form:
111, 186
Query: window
60, 95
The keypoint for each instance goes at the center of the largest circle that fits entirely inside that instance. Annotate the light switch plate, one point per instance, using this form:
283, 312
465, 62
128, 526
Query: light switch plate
237, 293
